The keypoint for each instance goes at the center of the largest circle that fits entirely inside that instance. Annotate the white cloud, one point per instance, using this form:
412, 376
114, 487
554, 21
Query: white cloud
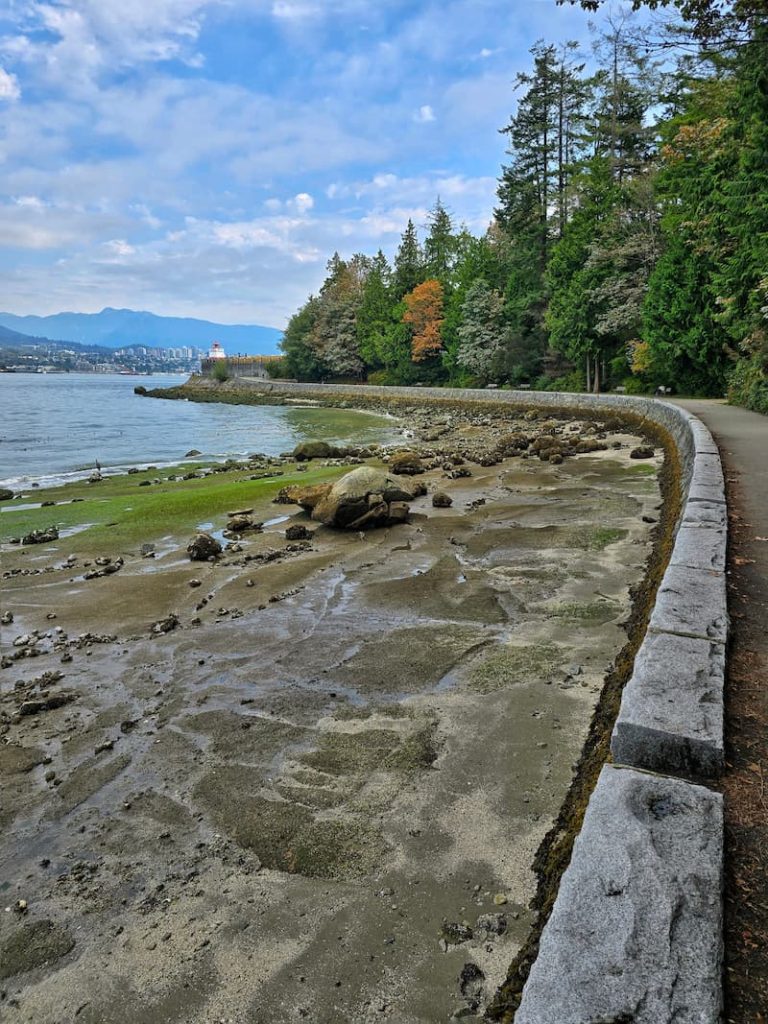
424, 114
303, 202
9, 86
294, 10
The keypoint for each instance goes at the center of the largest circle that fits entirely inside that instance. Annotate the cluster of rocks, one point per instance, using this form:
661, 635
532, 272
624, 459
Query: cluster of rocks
241, 522
360, 500
37, 536
107, 567
52, 641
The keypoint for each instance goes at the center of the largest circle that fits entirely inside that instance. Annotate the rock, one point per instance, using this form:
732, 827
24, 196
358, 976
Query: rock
298, 532
195, 583
441, 500
315, 450
471, 982
5, 494
133, 471
299, 494
361, 499
166, 625
147, 550
513, 444
406, 464
41, 536
499, 899
55, 700
203, 547
192, 453
399, 512
240, 513
6, 619
242, 524
493, 924
556, 459
454, 934
644, 451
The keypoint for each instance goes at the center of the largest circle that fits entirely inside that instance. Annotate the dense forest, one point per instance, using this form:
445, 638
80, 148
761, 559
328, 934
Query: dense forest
629, 244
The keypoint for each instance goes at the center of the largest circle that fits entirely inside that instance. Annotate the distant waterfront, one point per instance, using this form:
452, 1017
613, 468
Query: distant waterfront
56, 427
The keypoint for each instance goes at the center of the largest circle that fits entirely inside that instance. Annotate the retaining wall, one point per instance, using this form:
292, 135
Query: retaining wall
635, 935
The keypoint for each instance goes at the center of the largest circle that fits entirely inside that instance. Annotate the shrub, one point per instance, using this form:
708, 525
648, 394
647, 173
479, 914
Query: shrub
220, 371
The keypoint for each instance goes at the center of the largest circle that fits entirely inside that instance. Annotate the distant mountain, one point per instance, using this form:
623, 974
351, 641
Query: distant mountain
9, 338
115, 328
15, 340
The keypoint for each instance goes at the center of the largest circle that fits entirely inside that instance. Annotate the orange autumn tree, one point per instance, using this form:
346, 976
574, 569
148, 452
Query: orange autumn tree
424, 313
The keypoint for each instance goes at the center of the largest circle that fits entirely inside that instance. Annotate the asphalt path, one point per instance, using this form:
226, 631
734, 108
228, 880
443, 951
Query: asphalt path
742, 438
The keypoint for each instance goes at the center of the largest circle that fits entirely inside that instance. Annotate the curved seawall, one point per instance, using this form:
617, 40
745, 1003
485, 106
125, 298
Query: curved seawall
635, 932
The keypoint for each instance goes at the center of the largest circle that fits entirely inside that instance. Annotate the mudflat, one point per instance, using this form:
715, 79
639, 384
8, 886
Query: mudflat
319, 794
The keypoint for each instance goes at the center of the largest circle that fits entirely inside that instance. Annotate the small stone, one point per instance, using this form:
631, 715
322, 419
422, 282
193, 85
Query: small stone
441, 500
643, 451
499, 899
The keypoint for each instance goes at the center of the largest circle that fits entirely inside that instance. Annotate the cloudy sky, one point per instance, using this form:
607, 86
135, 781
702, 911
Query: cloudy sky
205, 157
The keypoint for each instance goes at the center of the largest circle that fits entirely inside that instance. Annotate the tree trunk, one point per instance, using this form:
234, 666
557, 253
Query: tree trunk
596, 389
589, 374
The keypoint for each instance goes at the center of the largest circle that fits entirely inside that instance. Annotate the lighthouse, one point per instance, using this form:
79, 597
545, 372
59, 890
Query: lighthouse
216, 351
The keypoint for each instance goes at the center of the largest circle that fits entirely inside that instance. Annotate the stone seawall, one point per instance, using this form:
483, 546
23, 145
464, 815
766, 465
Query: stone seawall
634, 935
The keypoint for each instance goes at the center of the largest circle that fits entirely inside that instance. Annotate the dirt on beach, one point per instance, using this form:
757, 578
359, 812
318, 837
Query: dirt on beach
319, 794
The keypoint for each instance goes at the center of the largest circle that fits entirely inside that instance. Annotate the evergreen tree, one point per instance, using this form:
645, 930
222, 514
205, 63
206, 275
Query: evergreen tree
482, 330
440, 245
408, 270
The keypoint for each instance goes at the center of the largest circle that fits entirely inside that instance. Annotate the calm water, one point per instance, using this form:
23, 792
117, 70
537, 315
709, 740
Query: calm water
54, 427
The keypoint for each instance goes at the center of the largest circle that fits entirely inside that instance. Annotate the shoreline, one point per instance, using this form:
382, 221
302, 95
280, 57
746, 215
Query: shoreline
509, 489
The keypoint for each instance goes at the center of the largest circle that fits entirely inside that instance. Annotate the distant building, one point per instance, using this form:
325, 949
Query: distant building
216, 351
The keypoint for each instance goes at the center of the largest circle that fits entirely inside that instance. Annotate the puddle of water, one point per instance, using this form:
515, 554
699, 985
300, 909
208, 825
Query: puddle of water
277, 520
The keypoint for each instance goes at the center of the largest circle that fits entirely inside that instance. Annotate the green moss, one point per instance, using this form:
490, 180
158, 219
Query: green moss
512, 664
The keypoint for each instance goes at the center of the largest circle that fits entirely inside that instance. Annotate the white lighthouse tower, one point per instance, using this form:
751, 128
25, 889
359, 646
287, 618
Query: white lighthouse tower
216, 351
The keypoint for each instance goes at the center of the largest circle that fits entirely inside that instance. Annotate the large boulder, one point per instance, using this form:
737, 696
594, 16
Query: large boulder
5, 494
203, 547
315, 450
362, 499
300, 494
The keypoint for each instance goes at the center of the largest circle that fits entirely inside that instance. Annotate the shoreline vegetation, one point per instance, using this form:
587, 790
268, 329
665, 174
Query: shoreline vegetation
626, 248
518, 597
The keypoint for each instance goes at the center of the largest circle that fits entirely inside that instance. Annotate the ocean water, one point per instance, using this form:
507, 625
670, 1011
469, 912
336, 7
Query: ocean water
56, 427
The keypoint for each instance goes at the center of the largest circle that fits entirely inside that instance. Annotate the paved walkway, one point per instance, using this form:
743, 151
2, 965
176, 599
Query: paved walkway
742, 437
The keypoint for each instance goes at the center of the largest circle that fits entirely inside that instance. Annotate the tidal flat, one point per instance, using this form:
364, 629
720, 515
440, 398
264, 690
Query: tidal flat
318, 796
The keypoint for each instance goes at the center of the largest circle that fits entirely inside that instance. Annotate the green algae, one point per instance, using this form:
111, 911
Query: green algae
373, 750
514, 664
284, 835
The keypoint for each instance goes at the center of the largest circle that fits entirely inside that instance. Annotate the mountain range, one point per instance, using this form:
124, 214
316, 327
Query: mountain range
116, 328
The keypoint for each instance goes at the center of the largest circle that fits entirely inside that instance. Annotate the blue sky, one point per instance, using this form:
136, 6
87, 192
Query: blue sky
205, 157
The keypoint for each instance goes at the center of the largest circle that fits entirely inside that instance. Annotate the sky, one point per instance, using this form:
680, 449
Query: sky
206, 157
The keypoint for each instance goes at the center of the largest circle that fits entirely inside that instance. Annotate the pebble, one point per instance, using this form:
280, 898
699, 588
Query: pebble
499, 899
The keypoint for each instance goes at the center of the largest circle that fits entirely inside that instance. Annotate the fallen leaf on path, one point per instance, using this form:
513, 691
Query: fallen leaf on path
743, 561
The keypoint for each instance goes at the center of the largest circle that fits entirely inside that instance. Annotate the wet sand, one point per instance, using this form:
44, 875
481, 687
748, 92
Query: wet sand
319, 798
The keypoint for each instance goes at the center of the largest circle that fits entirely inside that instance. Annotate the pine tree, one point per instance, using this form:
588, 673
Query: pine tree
439, 245
408, 270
